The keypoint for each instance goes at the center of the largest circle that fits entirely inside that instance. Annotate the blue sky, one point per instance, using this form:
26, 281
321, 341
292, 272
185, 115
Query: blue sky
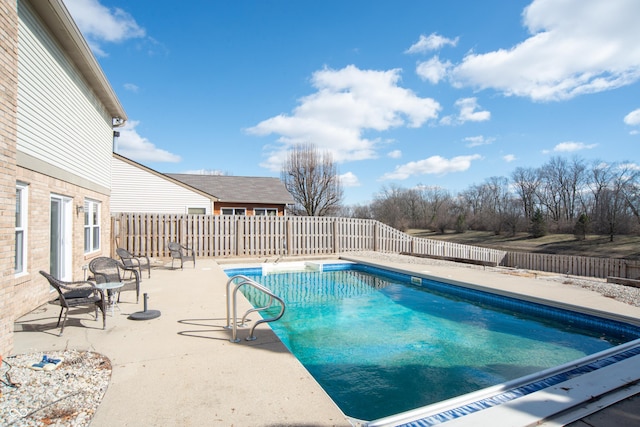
402, 93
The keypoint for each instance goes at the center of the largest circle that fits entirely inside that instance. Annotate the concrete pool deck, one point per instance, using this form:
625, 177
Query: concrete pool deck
181, 369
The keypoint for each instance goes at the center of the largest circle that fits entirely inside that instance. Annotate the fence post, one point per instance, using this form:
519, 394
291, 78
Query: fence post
376, 236
289, 237
239, 238
336, 237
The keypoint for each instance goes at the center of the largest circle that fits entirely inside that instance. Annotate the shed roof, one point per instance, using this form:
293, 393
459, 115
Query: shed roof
245, 189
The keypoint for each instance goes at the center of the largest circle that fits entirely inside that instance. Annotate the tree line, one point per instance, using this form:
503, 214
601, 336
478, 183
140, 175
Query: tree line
561, 196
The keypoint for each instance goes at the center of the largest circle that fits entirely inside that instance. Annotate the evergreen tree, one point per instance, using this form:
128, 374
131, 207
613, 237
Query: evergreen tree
581, 227
538, 224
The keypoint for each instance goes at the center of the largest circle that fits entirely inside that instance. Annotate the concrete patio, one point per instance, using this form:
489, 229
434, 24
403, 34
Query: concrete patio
181, 369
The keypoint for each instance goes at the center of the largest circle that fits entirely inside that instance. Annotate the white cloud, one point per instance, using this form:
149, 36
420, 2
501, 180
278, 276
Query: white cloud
349, 179
468, 113
570, 146
476, 141
432, 165
100, 24
509, 158
131, 87
633, 118
395, 154
630, 166
139, 148
433, 70
346, 103
576, 47
431, 42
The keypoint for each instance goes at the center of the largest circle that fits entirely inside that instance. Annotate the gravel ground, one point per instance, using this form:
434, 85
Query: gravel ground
70, 395
66, 396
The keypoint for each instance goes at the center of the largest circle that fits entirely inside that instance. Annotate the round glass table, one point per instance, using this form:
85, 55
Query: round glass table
113, 289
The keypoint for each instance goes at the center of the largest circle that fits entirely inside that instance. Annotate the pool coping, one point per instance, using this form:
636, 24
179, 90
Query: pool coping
565, 382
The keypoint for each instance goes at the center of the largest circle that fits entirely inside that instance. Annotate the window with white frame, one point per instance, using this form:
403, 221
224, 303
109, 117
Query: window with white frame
265, 211
91, 226
233, 211
20, 265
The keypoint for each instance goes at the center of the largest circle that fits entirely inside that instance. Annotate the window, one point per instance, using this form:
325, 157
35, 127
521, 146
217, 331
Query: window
265, 211
233, 211
91, 226
196, 211
20, 265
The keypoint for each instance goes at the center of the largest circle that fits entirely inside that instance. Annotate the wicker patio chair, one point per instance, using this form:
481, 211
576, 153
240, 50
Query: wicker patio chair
76, 294
107, 269
134, 261
181, 252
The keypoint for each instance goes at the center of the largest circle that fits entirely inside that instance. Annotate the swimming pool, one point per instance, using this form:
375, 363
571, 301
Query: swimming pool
382, 342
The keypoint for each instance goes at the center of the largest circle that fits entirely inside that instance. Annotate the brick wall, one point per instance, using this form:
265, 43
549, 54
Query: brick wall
8, 112
32, 289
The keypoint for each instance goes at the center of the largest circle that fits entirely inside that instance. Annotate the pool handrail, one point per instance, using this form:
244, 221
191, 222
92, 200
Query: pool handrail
241, 280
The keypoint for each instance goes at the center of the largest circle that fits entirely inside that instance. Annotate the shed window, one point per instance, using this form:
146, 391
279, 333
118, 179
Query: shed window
265, 211
234, 211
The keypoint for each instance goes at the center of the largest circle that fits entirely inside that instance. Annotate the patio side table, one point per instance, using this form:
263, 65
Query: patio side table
112, 288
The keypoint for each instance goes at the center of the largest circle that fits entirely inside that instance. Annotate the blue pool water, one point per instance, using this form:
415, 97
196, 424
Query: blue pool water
380, 344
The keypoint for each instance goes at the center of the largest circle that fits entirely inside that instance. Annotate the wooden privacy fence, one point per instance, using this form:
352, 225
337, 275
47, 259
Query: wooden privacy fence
574, 265
267, 236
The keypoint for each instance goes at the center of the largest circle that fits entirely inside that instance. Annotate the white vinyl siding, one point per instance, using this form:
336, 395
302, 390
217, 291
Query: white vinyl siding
60, 120
136, 190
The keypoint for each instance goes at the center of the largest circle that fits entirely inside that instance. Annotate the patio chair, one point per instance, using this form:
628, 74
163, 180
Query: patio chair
134, 261
76, 294
107, 269
181, 252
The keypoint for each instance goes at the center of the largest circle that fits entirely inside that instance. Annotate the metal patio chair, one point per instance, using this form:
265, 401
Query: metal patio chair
76, 294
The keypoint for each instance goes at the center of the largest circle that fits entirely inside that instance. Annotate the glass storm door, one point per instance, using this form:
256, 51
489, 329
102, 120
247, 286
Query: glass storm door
60, 239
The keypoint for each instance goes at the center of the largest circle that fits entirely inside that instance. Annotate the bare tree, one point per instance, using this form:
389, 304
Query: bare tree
312, 179
633, 198
499, 201
388, 207
527, 182
560, 193
437, 202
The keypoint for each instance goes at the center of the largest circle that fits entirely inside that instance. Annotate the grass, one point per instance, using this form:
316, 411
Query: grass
627, 247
